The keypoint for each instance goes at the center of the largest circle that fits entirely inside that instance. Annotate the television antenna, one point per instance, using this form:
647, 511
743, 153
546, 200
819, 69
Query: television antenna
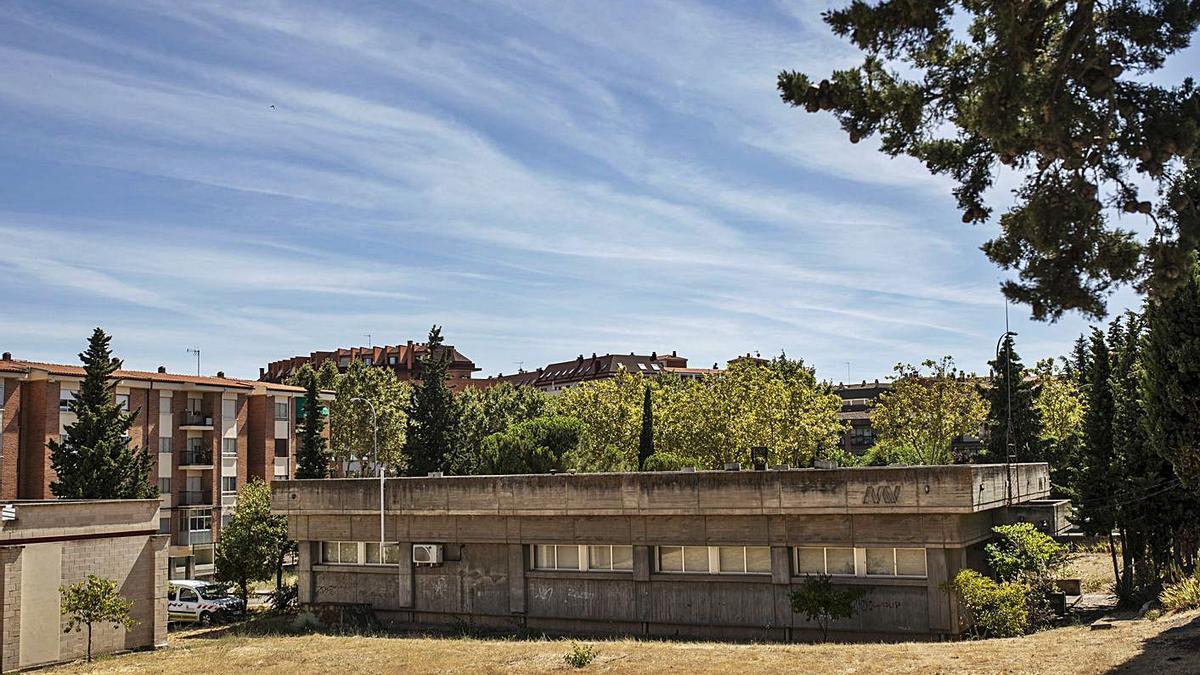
196, 351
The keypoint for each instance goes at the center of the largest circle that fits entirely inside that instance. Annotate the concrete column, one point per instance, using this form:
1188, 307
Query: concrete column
307, 553
516, 578
407, 579
781, 565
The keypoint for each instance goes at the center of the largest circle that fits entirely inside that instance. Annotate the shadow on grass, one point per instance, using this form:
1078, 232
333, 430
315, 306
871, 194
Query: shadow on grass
1175, 650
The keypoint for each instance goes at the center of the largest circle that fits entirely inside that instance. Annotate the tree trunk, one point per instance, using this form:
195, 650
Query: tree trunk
89, 647
1112, 549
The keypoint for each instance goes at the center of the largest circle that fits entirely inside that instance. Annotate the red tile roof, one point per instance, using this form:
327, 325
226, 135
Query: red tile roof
65, 370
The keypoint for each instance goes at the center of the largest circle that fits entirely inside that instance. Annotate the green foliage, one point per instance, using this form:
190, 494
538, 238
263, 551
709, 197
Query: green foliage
646, 440
1022, 550
1060, 408
93, 460
253, 543
533, 446
483, 412
1009, 381
1183, 595
1023, 554
580, 655
997, 609
91, 601
1097, 466
971, 89
819, 600
918, 420
1171, 379
312, 458
703, 423
350, 421
433, 413
665, 461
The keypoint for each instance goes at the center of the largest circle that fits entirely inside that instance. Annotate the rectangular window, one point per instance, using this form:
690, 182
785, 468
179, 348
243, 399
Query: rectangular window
164, 486
881, 562
281, 410
194, 405
391, 360
229, 447
685, 559
65, 396
281, 447
366, 360
555, 557
200, 521
164, 445
610, 558
229, 484
910, 562
359, 553
348, 552
824, 560
164, 526
195, 444
123, 401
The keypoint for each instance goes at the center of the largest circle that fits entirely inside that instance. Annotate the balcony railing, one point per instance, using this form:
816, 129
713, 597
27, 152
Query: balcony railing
191, 418
196, 457
189, 537
195, 498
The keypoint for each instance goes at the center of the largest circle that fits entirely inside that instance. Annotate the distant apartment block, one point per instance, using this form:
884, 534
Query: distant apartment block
859, 436
209, 435
403, 360
558, 376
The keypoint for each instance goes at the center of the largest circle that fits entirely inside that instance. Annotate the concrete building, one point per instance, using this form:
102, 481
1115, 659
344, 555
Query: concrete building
210, 435
403, 360
47, 544
704, 554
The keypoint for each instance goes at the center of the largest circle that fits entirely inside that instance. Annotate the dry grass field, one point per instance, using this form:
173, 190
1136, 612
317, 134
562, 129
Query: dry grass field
1169, 645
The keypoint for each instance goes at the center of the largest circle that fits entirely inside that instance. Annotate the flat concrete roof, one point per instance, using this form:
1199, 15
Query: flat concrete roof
965, 488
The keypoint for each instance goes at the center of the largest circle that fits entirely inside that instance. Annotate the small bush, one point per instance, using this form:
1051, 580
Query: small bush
283, 599
818, 600
1182, 595
1153, 615
999, 609
580, 655
1022, 550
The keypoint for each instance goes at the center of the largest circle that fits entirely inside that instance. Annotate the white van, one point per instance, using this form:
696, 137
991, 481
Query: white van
200, 602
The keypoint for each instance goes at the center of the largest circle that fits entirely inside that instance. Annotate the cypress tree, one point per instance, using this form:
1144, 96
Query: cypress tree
1097, 468
93, 460
1172, 379
312, 459
432, 420
1008, 371
646, 442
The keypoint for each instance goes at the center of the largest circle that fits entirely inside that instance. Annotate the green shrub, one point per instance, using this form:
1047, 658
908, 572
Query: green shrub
1182, 595
1022, 550
998, 609
819, 600
580, 655
667, 461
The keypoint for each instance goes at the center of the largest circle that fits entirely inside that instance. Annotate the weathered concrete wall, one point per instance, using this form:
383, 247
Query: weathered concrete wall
53, 544
487, 524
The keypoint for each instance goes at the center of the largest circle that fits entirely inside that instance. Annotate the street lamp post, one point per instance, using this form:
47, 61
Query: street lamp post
378, 463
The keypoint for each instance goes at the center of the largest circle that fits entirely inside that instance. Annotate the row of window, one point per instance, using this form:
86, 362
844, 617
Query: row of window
836, 561
229, 446
359, 553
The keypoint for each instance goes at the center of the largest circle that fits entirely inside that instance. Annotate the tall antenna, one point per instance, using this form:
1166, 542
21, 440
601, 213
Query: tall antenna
196, 351
1008, 450
847, 372
370, 345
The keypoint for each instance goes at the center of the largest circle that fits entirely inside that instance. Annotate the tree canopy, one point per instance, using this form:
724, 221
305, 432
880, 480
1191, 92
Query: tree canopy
350, 420
433, 412
93, 460
1055, 92
918, 420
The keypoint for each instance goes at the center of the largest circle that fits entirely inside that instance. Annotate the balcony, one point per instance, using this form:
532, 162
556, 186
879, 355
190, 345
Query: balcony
196, 421
196, 458
189, 537
195, 498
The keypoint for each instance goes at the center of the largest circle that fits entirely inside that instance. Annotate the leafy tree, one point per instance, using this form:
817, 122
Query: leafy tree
312, 458
1060, 408
351, 432
1171, 379
483, 412
610, 411
997, 609
94, 460
819, 600
433, 414
533, 446
646, 440
1024, 555
1009, 383
254, 543
91, 601
925, 412
327, 375
974, 88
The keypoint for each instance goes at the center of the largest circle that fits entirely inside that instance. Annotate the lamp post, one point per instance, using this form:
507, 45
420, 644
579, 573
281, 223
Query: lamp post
1008, 456
378, 463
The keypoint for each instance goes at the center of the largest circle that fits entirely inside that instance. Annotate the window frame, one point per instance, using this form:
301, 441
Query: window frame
282, 405
225, 443
161, 491
860, 562
390, 549
713, 554
224, 491
583, 557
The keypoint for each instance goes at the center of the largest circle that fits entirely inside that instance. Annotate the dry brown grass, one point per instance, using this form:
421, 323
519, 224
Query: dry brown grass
1094, 569
1168, 645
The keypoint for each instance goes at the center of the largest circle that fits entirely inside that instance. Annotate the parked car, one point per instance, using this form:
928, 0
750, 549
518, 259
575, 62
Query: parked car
203, 602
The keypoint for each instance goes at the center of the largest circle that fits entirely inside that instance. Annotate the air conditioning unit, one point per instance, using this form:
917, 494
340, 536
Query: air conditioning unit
427, 554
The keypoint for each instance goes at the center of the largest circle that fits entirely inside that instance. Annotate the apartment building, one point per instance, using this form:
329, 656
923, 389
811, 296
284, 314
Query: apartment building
403, 360
855, 414
210, 435
558, 376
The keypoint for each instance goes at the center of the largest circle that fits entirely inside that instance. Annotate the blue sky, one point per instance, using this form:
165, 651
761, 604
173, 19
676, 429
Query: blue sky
542, 179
